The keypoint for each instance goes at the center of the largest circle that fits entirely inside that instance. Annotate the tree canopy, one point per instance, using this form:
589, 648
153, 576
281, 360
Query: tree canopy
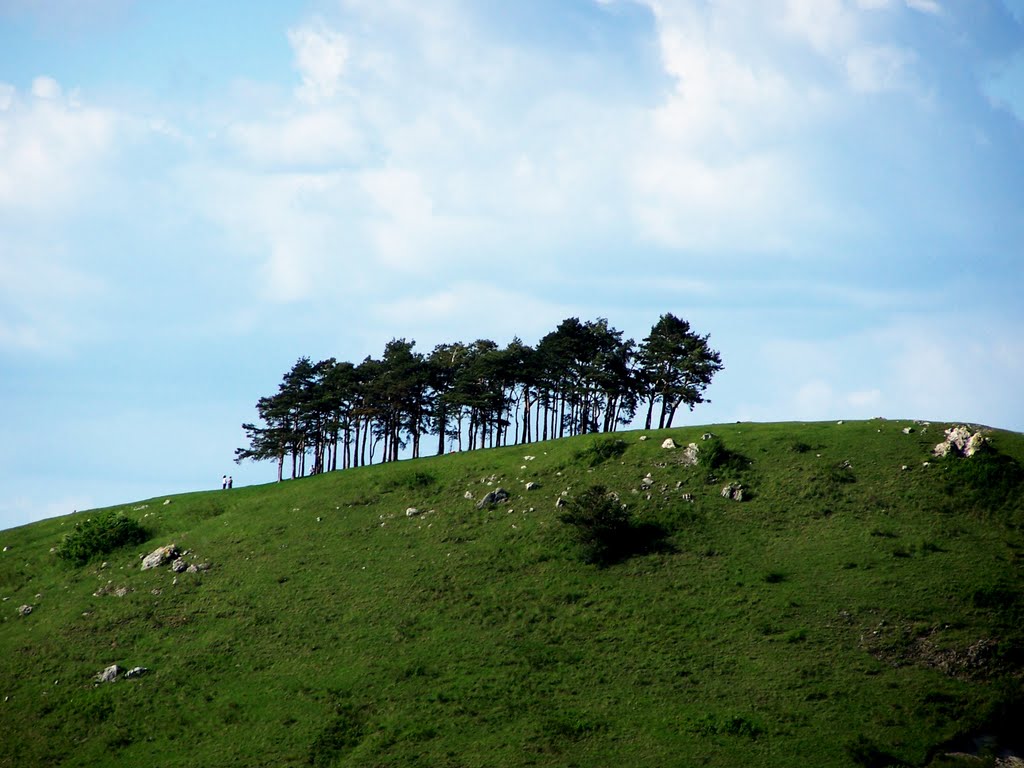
580, 378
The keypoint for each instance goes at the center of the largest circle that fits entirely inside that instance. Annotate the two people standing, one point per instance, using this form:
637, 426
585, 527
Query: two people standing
226, 482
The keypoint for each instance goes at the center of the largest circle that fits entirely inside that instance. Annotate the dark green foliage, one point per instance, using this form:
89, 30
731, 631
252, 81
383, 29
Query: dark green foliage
728, 725
865, 753
606, 530
99, 535
600, 451
714, 456
600, 523
799, 446
988, 482
841, 474
416, 480
342, 733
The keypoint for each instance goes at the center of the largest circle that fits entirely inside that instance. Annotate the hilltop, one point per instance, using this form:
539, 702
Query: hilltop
861, 605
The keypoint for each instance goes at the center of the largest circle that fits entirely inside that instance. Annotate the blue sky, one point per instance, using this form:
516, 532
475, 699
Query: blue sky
195, 194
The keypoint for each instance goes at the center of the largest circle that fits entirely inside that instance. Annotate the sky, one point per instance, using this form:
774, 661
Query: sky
193, 195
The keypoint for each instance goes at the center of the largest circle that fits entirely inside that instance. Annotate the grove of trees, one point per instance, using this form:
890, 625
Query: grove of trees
582, 377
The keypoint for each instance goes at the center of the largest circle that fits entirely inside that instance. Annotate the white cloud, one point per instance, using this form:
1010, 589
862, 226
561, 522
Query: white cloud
925, 6
923, 366
880, 69
7, 92
316, 138
321, 56
476, 308
36, 290
826, 25
46, 88
49, 149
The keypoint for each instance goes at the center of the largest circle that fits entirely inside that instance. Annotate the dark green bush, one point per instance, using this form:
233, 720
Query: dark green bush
340, 735
600, 523
713, 455
98, 535
600, 451
988, 482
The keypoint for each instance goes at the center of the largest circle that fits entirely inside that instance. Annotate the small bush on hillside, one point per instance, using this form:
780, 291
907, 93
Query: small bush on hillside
600, 451
99, 535
713, 455
414, 480
989, 481
600, 523
865, 753
340, 735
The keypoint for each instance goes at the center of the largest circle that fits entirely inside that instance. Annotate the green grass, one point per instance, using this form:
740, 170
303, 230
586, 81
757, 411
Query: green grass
829, 619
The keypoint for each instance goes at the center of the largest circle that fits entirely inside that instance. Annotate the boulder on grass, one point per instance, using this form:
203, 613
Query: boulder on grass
493, 497
159, 556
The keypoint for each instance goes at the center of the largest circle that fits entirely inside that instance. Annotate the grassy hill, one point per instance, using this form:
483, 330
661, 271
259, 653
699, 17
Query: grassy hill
856, 608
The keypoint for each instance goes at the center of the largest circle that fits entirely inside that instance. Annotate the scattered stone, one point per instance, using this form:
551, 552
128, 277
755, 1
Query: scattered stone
200, 567
926, 464
707, 436
839, 422
687, 497
668, 442
846, 465
24, 610
647, 482
690, 455
532, 486
493, 497
6, 549
135, 672
166, 502
109, 674
975, 444
467, 495
904, 468
733, 491
156, 592
960, 442
529, 458
179, 565
643, 437
908, 430
560, 502
121, 592
159, 556
412, 512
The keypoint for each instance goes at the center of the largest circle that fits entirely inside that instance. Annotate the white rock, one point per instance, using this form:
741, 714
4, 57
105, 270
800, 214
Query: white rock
159, 556
668, 442
975, 444
412, 512
109, 674
690, 454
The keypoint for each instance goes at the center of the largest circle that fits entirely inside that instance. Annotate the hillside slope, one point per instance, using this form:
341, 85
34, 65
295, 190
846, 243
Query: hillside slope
856, 608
